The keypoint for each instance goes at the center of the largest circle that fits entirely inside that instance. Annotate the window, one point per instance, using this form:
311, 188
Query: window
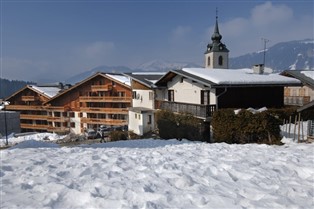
208, 61
134, 94
171, 95
113, 83
182, 78
149, 119
139, 116
135, 116
220, 60
205, 97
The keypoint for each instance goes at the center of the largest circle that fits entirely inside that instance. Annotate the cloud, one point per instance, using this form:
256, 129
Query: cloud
275, 22
98, 49
269, 14
180, 34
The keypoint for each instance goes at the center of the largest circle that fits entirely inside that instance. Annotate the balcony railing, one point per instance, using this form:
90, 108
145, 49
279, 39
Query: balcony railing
104, 110
28, 98
58, 119
34, 126
58, 129
101, 87
24, 107
104, 121
198, 110
296, 100
33, 117
105, 99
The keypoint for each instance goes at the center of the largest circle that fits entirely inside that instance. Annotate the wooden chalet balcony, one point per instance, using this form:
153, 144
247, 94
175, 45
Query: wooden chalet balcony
28, 98
104, 110
34, 126
116, 122
105, 99
296, 100
24, 107
55, 108
33, 117
58, 129
58, 119
101, 87
198, 110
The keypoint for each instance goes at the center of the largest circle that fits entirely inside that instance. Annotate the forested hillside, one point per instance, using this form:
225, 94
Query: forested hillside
8, 87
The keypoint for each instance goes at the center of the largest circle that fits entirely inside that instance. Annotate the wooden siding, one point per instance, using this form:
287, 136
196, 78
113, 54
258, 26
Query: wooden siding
255, 97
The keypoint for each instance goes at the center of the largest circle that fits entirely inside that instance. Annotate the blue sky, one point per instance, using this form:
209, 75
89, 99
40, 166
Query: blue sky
56, 39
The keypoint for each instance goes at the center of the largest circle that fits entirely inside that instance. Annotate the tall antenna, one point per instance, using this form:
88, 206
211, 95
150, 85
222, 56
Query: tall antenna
265, 42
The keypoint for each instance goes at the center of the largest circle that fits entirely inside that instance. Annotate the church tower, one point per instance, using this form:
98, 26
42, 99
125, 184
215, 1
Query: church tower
217, 54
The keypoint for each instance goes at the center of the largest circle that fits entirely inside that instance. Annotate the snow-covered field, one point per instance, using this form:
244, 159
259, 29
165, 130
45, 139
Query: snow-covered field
156, 174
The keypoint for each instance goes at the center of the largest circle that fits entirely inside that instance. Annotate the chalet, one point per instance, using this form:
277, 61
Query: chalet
200, 91
299, 95
29, 102
144, 94
102, 99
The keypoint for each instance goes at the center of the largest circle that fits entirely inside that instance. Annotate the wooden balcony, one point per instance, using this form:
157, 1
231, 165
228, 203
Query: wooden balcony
58, 129
28, 98
198, 110
104, 110
101, 87
105, 99
24, 107
58, 119
101, 121
33, 117
34, 126
296, 100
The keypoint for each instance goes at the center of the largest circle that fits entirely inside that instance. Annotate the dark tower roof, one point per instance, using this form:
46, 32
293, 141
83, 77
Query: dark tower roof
216, 45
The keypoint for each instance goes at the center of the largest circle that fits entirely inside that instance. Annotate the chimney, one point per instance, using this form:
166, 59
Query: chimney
258, 69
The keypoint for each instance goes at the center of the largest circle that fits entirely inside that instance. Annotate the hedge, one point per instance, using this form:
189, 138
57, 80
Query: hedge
246, 127
179, 126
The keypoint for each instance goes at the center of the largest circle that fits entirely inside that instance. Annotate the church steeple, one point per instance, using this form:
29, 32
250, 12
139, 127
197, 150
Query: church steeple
216, 55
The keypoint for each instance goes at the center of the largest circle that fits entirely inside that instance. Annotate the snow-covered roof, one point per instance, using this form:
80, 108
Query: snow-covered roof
308, 73
120, 78
238, 76
48, 91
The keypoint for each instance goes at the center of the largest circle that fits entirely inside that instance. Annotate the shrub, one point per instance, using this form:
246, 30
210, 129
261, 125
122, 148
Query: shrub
178, 126
118, 135
246, 127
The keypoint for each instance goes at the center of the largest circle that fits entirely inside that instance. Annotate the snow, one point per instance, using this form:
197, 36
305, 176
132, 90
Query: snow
48, 91
308, 73
239, 76
155, 174
120, 78
149, 73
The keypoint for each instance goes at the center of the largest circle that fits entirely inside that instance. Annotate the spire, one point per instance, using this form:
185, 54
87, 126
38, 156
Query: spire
216, 35
216, 45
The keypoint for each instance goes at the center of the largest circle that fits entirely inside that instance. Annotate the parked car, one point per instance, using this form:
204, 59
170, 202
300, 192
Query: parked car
91, 134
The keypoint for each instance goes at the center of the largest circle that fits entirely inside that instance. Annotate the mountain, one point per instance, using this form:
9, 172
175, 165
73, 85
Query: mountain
292, 55
106, 69
163, 66
155, 65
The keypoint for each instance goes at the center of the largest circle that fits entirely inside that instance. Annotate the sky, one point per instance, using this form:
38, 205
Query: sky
54, 40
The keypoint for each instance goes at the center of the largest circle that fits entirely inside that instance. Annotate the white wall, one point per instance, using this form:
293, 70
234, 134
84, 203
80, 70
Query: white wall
77, 121
142, 99
188, 91
138, 122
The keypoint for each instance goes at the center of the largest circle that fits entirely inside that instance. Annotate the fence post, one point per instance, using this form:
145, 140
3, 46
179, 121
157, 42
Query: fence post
299, 127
